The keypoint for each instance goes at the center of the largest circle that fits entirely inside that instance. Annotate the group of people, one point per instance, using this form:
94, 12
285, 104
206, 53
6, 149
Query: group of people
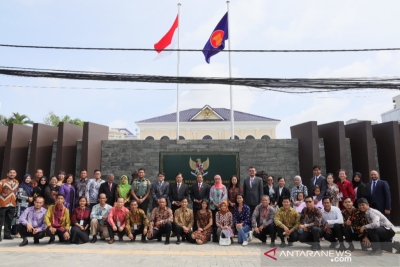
71, 210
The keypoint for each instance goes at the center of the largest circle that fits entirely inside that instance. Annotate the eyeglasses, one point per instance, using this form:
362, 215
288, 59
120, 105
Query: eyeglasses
308, 201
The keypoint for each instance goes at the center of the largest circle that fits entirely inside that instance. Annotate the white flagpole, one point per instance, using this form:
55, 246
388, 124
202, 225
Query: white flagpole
230, 75
177, 85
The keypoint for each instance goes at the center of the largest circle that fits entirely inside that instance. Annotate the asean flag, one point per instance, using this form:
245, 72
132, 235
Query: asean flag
216, 42
169, 41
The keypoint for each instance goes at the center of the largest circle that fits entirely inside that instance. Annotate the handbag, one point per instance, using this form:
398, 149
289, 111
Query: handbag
224, 241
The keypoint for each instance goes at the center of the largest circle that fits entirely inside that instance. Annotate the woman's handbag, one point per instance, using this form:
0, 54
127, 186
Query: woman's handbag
224, 241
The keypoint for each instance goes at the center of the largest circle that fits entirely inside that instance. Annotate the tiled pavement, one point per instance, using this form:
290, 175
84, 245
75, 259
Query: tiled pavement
155, 254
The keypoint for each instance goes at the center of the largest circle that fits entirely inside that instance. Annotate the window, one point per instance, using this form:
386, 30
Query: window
149, 138
181, 137
207, 137
265, 137
249, 137
164, 138
236, 137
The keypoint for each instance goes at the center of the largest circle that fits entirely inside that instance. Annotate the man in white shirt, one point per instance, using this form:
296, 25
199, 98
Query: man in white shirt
332, 220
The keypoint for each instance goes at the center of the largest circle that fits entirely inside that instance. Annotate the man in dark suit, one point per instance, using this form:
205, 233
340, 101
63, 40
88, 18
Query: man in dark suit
253, 190
319, 180
199, 192
377, 192
110, 189
160, 189
281, 191
177, 192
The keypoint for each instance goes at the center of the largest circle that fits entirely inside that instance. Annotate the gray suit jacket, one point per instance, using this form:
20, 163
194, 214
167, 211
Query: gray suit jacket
252, 195
157, 192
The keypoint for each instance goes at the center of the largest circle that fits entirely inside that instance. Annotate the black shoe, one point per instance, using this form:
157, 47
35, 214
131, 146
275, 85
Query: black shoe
396, 246
178, 242
316, 247
144, 241
8, 237
94, 239
290, 244
351, 247
24, 242
166, 242
282, 245
341, 248
376, 252
51, 240
263, 242
158, 239
183, 239
333, 244
272, 245
35, 241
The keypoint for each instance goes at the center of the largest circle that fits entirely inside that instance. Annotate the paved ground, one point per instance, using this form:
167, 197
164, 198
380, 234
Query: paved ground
154, 254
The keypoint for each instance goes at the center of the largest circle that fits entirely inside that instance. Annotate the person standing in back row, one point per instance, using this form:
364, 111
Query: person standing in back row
377, 192
253, 189
200, 191
177, 192
140, 190
109, 189
320, 181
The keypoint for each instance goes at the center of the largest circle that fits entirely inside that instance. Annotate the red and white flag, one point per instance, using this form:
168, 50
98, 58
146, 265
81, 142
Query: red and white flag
169, 41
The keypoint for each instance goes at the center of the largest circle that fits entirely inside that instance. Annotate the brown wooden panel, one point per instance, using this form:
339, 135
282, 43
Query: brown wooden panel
3, 139
43, 137
16, 152
334, 138
93, 134
387, 136
307, 135
68, 135
362, 148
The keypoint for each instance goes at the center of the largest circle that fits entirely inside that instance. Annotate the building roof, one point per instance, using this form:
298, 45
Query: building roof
122, 129
189, 114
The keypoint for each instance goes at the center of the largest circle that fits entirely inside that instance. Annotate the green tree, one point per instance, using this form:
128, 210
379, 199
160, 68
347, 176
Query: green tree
54, 120
16, 118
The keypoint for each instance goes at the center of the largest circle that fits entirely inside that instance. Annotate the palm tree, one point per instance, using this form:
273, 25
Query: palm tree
16, 118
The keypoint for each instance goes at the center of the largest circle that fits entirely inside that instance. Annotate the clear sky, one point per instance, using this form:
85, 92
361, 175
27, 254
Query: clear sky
255, 24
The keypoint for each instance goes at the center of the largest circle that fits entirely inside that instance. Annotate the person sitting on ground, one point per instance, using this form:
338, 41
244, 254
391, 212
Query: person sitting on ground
353, 220
58, 221
80, 221
224, 220
136, 222
332, 221
310, 223
99, 216
263, 221
117, 220
242, 221
183, 221
380, 230
31, 222
287, 222
204, 224
161, 222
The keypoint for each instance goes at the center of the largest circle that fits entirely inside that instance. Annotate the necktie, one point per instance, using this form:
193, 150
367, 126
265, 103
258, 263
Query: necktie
251, 183
199, 186
316, 180
159, 184
110, 185
179, 186
373, 187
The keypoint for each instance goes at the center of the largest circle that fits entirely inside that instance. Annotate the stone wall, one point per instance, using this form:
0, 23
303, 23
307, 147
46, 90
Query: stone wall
278, 157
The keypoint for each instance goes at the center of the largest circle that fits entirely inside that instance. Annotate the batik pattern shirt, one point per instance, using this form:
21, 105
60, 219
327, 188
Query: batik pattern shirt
184, 218
376, 219
92, 190
357, 219
262, 216
8, 192
157, 215
98, 213
313, 216
289, 218
137, 218
81, 188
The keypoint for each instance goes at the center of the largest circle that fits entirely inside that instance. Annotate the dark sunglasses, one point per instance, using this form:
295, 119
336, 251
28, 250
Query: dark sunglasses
308, 201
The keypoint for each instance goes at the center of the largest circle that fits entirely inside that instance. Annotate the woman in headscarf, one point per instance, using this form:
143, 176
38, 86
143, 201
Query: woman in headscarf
218, 193
296, 189
38, 191
51, 191
123, 190
358, 186
224, 220
24, 200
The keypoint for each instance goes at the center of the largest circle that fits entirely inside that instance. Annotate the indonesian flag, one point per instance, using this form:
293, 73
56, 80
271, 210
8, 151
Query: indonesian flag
169, 41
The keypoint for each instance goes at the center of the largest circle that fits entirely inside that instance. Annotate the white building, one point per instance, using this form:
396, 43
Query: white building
121, 134
394, 114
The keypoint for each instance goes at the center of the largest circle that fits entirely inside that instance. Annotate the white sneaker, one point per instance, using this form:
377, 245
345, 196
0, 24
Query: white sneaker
250, 236
245, 243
